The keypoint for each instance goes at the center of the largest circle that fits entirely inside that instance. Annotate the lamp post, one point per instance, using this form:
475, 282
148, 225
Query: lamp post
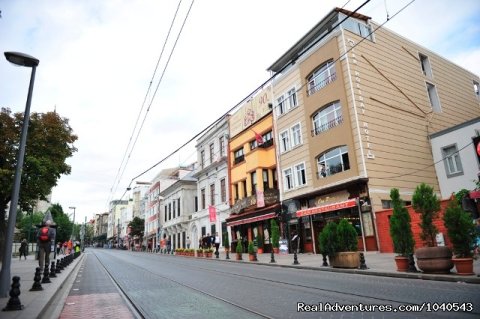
73, 226
20, 59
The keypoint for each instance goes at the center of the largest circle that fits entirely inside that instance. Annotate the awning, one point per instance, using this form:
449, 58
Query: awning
327, 208
251, 219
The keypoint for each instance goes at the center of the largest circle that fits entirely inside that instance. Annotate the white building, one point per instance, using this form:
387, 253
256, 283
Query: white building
455, 157
212, 184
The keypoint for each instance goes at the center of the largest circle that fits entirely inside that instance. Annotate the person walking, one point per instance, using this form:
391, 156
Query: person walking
45, 236
23, 249
217, 243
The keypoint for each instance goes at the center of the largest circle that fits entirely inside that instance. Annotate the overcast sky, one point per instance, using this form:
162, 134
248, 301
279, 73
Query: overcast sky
97, 59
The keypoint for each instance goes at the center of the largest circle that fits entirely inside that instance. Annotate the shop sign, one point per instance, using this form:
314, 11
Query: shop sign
327, 208
283, 248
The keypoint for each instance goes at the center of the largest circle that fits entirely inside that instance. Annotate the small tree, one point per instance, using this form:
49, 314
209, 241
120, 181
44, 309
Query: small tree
400, 228
251, 248
425, 202
226, 241
460, 230
275, 234
239, 248
328, 239
347, 236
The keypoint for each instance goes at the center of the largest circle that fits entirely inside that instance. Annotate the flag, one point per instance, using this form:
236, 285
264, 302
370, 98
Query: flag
260, 198
258, 138
213, 213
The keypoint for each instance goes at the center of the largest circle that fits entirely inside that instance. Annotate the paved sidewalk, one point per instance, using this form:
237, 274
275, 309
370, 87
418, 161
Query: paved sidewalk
37, 302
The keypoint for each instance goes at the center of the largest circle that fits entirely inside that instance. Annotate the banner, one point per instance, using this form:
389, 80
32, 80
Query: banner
213, 213
260, 198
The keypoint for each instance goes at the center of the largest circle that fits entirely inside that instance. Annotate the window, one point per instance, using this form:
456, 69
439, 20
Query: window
265, 179
238, 156
235, 191
425, 63
166, 209
476, 89
300, 174
223, 190
284, 142
212, 153
288, 179
358, 28
453, 164
244, 185
296, 135
178, 206
202, 198
292, 98
327, 118
174, 209
169, 211
281, 105
433, 97
202, 159
253, 145
321, 77
212, 194
267, 140
221, 143
196, 203
275, 178
253, 177
387, 203
333, 162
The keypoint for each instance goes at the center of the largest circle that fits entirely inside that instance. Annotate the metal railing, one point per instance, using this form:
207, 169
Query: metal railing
326, 126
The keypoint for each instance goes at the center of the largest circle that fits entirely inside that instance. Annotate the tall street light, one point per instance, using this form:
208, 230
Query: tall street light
73, 226
20, 59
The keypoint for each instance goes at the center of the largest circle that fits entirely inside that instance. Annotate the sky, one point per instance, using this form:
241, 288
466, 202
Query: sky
97, 60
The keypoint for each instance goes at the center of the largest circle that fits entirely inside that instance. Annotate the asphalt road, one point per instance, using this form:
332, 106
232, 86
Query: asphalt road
161, 286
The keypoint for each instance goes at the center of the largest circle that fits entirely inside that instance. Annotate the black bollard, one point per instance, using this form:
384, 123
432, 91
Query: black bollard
411, 264
272, 257
45, 279
52, 270
37, 286
228, 256
295, 259
255, 256
325, 264
14, 302
362, 262
57, 268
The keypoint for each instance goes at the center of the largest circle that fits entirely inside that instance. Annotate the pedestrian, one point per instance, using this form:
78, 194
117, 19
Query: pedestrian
65, 247
45, 236
217, 243
188, 242
209, 241
23, 249
476, 249
169, 245
69, 247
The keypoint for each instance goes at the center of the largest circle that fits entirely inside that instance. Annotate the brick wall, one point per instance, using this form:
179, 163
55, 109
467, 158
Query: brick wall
383, 227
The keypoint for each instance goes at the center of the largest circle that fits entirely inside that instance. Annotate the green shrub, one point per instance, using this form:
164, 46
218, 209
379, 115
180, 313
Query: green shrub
251, 248
400, 228
226, 241
347, 236
239, 248
275, 234
425, 202
460, 230
328, 239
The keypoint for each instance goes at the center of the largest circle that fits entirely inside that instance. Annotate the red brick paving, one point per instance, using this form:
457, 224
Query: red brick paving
108, 305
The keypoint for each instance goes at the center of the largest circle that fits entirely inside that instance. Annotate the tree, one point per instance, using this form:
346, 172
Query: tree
400, 228
137, 226
460, 229
49, 143
27, 224
275, 237
425, 202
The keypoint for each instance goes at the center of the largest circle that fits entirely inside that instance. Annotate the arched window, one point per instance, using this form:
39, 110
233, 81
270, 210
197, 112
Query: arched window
327, 118
333, 161
321, 77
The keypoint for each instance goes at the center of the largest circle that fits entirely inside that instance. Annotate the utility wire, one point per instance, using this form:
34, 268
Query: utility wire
244, 99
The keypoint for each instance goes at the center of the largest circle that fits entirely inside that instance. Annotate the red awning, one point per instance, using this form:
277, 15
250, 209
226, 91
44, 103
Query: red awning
251, 219
327, 208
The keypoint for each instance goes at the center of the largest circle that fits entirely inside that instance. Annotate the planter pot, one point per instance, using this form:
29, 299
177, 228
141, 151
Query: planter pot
208, 255
434, 260
239, 256
276, 250
259, 250
402, 263
464, 266
347, 259
199, 254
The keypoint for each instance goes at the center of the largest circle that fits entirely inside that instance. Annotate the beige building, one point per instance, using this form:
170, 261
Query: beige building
353, 114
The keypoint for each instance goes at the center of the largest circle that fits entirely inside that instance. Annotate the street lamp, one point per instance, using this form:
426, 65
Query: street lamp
20, 59
73, 226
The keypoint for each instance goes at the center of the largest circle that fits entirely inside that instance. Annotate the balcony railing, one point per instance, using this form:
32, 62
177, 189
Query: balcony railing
266, 144
326, 126
311, 89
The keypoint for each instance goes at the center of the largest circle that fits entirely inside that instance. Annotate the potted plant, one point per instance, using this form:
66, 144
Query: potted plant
275, 236
430, 259
207, 253
462, 234
400, 231
199, 252
239, 249
260, 243
340, 243
251, 251
226, 242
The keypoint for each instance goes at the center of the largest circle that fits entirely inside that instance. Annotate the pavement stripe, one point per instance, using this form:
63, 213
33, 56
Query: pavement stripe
92, 306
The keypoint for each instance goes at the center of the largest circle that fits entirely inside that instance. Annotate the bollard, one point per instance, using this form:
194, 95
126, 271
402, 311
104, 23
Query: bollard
411, 264
362, 262
45, 279
272, 257
14, 302
57, 269
295, 259
37, 286
227, 252
52, 270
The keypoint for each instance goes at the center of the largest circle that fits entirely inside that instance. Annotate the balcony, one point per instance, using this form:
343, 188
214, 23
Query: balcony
313, 86
326, 126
